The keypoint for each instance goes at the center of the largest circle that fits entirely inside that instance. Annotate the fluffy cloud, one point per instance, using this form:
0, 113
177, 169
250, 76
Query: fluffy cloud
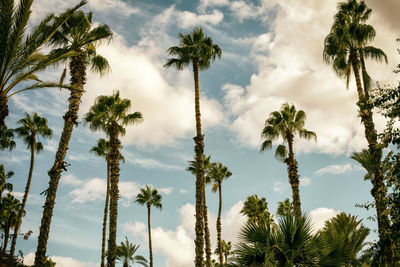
304, 181
336, 169
177, 245
60, 261
320, 215
292, 70
149, 163
190, 19
70, 179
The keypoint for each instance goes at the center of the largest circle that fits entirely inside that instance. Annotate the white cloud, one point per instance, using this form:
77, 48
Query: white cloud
290, 68
177, 245
149, 163
189, 19
166, 190
70, 179
278, 186
320, 215
183, 191
95, 189
335, 169
29, 259
204, 4
304, 181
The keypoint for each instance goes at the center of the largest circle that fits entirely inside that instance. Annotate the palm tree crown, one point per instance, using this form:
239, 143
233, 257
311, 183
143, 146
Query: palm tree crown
6, 138
33, 127
256, 209
126, 254
285, 124
149, 197
103, 148
218, 173
195, 48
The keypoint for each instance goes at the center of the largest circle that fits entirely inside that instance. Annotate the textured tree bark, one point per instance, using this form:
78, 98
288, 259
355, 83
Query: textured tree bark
206, 229
103, 242
219, 227
3, 110
25, 198
379, 190
149, 227
199, 149
114, 165
78, 78
293, 176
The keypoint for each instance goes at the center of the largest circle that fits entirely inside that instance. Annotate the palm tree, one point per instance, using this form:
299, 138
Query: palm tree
343, 238
10, 206
126, 252
346, 48
206, 167
102, 150
285, 208
226, 251
198, 50
75, 34
31, 129
4, 176
256, 210
218, 174
149, 197
286, 123
109, 114
6, 138
20, 53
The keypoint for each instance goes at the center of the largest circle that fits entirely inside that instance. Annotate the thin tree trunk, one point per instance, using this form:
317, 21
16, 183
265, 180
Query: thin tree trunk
206, 229
3, 110
103, 242
293, 177
114, 164
379, 189
219, 227
199, 148
149, 227
25, 198
78, 78
7, 233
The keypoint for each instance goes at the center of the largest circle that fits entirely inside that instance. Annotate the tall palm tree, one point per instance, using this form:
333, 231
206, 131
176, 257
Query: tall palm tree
285, 208
21, 57
218, 174
286, 123
6, 138
4, 176
10, 206
206, 167
78, 35
126, 252
109, 114
31, 129
198, 50
346, 47
149, 197
256, 210
102, 150
226, 251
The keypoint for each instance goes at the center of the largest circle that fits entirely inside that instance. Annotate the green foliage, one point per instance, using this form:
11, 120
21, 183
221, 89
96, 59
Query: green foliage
218, 173
6, 138
256, 210
149, 197
103, 148
126, 254
4, 176
285, 208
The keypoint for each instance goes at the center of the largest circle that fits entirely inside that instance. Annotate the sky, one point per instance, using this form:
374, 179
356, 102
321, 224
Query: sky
272, 53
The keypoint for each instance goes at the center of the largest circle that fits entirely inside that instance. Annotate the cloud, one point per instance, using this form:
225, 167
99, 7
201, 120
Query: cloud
305, 181
278, 186
189, 19
70, 179
95, 189
335, 169
149, 163
29, 259
166, 190
177, 245
291, 69
183, 191
320, 215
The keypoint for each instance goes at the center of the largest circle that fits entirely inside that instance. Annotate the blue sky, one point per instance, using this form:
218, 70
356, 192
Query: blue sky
272, 53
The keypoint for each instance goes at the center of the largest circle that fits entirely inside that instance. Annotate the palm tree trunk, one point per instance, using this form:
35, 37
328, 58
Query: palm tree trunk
206, 229
7, 233
379, 189
293, 177
25, 198
199, 148
78, 78
149, 227
219, 227
103, 242
114, 165
3, 110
